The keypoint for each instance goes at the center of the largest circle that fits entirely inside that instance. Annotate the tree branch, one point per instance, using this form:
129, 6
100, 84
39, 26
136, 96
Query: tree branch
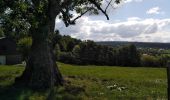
73, 21
66, 15
98, 7
109, 3
66, 19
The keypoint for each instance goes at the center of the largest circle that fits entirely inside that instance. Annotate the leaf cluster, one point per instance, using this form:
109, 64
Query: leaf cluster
18, 16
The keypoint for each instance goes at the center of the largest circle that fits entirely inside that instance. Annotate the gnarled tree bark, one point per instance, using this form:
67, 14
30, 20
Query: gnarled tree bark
41, 69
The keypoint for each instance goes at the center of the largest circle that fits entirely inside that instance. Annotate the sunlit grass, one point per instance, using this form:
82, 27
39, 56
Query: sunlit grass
91, 82
139, 83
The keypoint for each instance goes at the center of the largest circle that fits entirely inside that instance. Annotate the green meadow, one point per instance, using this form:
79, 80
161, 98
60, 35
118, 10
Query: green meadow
91, 83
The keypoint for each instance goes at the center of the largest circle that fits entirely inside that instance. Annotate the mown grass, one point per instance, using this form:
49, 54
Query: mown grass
91, 83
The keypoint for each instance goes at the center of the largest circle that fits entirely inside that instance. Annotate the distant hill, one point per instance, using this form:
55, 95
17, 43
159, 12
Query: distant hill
137, 44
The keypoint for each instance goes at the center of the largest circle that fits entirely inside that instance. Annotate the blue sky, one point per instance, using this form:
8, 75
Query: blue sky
133, 20
138, 9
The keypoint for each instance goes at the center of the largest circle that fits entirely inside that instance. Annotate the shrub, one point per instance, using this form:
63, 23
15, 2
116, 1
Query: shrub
67, 57
151, 61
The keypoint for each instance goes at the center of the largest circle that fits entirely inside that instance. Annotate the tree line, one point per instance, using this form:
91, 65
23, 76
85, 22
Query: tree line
74, 51
88, 52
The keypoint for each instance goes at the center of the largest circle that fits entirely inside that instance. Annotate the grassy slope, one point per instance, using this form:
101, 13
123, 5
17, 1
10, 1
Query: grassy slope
92, 82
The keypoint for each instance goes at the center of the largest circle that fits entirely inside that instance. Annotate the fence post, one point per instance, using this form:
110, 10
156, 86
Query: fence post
168, 77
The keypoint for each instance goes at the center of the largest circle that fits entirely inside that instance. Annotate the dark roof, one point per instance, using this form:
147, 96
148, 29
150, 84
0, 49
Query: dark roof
7, 46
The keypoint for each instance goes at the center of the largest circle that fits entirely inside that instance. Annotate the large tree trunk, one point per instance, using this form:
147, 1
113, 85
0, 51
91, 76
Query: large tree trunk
41, 70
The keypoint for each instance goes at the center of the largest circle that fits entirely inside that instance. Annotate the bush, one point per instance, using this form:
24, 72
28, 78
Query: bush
163, 59
67, 57
151, 61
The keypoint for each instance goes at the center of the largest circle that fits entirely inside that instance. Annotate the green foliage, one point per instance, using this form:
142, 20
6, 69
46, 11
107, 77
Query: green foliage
20, 17
128, 56
11, 18
24, 46
88, 52
155, 61
148, 60
163, 60
67, 43
57, 51
91, 82
67, 57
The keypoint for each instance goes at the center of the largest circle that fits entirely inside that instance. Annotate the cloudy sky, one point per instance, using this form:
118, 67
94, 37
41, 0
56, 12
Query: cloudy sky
134, 20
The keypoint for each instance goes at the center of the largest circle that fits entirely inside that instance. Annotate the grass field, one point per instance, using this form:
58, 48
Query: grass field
91, 83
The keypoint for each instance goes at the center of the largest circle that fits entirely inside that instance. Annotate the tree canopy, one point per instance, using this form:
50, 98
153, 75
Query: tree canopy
18, 16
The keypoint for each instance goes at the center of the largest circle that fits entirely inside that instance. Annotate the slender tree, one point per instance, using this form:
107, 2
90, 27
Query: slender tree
37, 18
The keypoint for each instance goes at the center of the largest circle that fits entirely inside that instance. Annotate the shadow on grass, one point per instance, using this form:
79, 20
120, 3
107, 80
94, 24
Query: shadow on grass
14, 92
68, 92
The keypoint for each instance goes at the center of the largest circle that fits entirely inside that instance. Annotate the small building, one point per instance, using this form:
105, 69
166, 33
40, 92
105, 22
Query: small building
8, 52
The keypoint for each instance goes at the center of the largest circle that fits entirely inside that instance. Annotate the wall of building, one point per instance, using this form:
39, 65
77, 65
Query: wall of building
8, 52
2, 60
13, 59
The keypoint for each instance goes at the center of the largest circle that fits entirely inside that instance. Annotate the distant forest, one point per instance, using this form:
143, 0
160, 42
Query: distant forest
137, 44
74, 51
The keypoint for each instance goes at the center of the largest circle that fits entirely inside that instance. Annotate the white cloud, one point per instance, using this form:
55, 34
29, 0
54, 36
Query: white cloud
154, 10
128, 1
133, 29
133, 19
